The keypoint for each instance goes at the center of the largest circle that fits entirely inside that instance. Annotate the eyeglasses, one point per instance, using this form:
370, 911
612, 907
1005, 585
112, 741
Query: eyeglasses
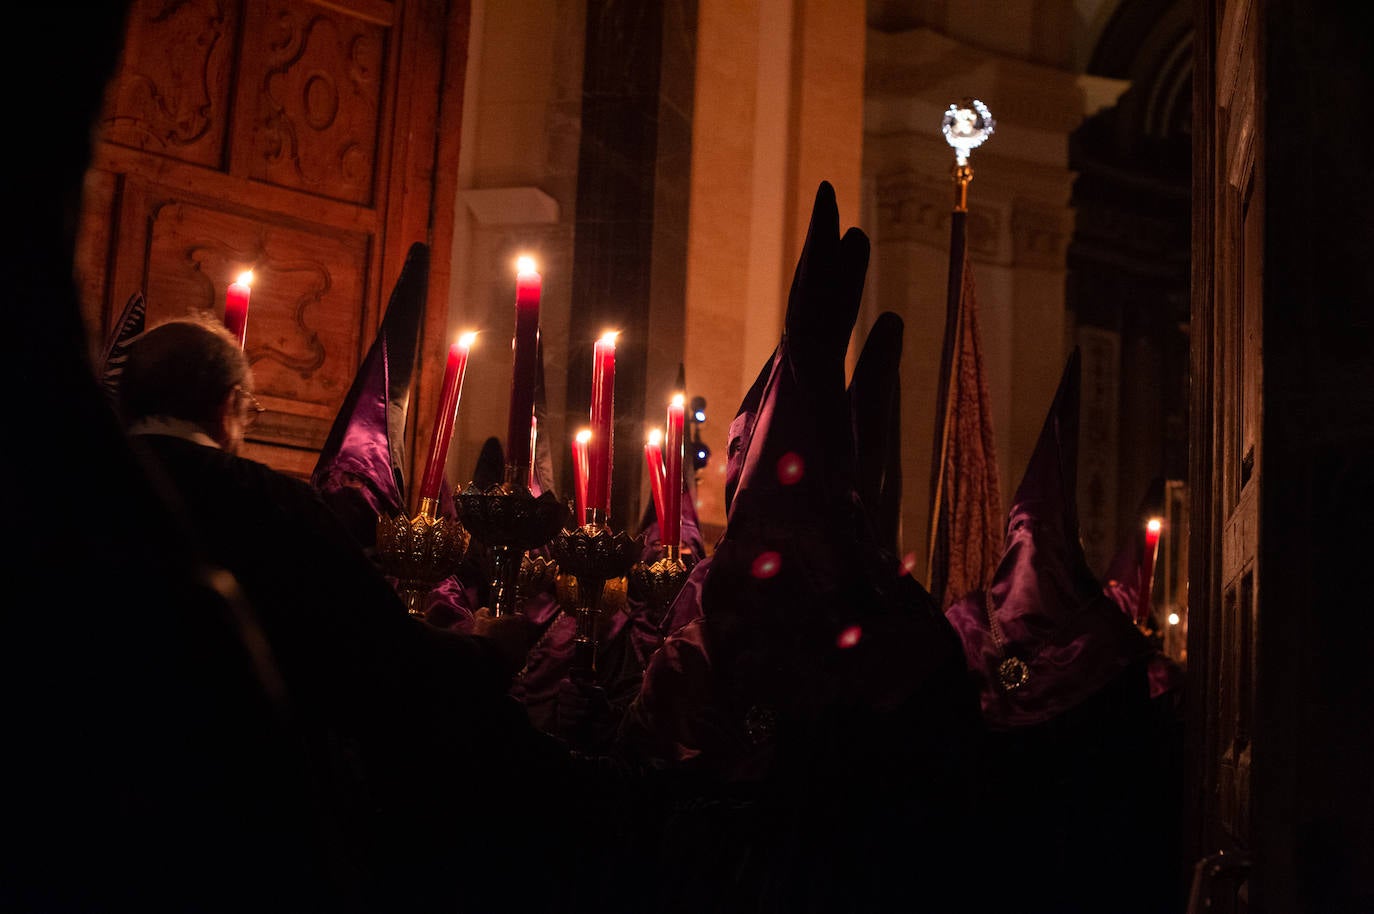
251, 407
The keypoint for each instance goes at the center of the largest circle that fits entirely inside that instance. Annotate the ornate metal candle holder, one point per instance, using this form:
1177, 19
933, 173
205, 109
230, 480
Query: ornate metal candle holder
595, 556
658, 582
419, 551
536, 573
508, 519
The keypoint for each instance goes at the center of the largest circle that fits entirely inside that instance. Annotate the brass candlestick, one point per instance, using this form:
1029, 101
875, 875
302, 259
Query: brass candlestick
420, 551
594, 555
509, 519
658, 583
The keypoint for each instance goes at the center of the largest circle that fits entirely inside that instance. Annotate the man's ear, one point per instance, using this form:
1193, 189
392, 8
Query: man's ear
226, 428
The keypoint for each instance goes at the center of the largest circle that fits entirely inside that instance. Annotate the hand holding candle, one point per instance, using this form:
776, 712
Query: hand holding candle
603, 422
670, 521
653, 456
442, 433
528, 283
236, 305
580, 473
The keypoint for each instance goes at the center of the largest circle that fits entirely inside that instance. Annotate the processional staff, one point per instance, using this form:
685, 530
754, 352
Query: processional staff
966, 126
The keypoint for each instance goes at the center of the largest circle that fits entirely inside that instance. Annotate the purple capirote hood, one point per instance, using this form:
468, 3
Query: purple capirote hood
1052, 610
359, 470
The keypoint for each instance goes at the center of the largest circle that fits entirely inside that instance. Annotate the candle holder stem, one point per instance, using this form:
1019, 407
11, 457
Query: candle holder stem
505, 569
593, 555
509, 521
413, 593
586, 636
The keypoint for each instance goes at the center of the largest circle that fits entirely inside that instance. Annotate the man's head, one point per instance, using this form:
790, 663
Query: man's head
191, 369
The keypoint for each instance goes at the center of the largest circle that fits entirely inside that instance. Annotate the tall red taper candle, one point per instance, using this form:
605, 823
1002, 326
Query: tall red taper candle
524, 373
1147, 566
603, 423
670, 524
236, 305
580, 470
653, 456
447, 414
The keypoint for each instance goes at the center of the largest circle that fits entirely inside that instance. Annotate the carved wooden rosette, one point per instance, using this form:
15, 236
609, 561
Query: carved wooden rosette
419, 552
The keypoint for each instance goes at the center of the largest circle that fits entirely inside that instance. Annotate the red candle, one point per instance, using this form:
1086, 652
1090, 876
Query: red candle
443, 422
1147, 566
671, 522
653, 456
526, 346
579, 453
603, 421
236, 305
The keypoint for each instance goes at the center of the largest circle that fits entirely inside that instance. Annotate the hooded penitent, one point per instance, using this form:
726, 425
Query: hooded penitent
360, 469
818, 673
1061, 638
801, 603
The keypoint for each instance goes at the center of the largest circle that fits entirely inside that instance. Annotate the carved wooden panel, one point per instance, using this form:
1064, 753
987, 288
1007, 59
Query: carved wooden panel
304, 140
314, 80
172, 97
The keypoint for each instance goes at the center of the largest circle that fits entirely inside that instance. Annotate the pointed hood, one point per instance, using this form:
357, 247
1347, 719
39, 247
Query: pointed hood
875, 405
1050, 608
490, 469
803, 617
359, 470
798, 577
798, 462
116, 353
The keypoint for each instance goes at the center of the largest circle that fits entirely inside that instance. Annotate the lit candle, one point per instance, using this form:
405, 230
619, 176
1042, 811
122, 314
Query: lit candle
1147, 565
653, 456
579, 454
671, 523
603, 422
526, 346
236, 305
447, 414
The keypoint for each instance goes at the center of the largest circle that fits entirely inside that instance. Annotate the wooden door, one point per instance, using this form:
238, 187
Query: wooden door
1227, 462
312, 143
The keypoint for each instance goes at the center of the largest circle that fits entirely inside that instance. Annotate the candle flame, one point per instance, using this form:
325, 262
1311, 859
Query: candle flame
584, 435
1154, 525
656, 437
678, 400
245, 278
467, 339
525, 264
609, 337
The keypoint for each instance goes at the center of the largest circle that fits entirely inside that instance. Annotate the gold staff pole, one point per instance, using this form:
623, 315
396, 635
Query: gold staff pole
966, 125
